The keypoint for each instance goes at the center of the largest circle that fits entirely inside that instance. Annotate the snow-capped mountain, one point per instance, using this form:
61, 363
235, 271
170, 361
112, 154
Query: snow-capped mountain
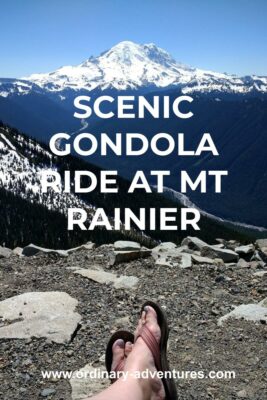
133, 66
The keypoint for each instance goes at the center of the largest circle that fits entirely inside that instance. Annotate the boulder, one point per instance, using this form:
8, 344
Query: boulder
48, 315
162, 248
125, 245
249, 312
261, 243
219, 246
214, 252
193, 243
248, 249
118, 257
100, 276
18, 251
32, 250
242, 263
5, 252
181, 260
202, 260
185, 261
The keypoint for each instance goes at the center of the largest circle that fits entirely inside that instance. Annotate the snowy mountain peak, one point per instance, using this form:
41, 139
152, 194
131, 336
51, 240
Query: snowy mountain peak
126, 65
129, 65
128, 53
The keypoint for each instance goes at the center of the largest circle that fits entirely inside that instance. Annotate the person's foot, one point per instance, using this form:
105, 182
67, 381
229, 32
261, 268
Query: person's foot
141, 359
120, 352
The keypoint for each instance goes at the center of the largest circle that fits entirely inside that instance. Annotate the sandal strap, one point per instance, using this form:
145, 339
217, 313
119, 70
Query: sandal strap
119, 367
152, 343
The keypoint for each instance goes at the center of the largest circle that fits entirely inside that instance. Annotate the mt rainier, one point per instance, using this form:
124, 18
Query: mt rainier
127, 66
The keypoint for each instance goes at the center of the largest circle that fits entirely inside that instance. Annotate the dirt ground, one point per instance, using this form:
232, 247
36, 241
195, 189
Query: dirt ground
194, 299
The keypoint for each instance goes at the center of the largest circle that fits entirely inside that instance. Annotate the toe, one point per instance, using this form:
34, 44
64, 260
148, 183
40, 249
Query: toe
118, 351
128, 348
138, 328
150, 315
143, 317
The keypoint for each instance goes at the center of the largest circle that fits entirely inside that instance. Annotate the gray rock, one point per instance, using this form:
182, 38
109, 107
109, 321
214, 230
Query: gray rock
103, 277
47, 392
256, 264
118, 257
125, 245
249, 312
242, 263
5, 252
260, 273
185, 249
32, 250
220, 241
209, 250
41, 314
87, 246
185, 261
219, 246
18, 251
194, 243
202, 260
248, 249
242, 394
261, 243
164, 247
126, 282
164, 262
181, 260
214, 252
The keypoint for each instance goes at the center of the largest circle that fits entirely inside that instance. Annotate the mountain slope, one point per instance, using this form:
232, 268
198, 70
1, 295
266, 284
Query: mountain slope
22, 160
239, 131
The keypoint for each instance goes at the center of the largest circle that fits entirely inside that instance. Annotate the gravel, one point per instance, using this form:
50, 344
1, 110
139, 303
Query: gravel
194, 299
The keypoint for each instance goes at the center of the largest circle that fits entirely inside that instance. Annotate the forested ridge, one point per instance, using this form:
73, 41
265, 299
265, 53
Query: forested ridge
25, 220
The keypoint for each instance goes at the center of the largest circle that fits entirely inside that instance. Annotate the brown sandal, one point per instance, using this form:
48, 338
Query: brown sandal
159, 350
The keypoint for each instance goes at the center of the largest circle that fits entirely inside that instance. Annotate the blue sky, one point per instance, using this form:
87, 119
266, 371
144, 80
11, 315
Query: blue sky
221, 35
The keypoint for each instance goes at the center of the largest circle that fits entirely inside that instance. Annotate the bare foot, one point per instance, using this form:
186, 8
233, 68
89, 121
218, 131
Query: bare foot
120, 351
141, 359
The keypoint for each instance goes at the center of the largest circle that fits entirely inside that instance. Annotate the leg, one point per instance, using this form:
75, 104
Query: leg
139, 359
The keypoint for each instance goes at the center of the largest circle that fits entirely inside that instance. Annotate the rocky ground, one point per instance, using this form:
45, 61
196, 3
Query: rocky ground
67, 330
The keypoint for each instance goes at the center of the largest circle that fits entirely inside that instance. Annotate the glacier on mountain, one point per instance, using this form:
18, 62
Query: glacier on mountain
128, 65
